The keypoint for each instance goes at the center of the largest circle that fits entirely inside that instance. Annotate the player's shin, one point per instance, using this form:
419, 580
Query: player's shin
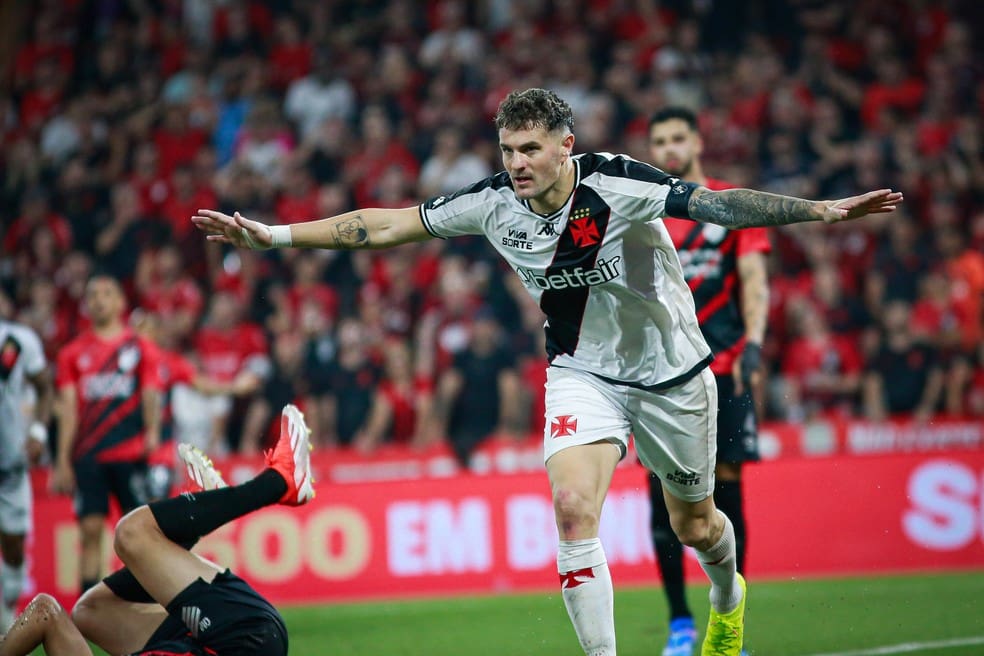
586, 585
719, 563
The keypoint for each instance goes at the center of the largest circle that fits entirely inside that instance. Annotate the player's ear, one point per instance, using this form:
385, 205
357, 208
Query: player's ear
568, 144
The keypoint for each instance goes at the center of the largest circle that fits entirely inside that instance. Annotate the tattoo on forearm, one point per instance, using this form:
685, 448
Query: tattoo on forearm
746, 208
351, 233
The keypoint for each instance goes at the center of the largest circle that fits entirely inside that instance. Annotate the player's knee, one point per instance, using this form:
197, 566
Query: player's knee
45, 607
694, 531
575, 511
132, 532
86, 612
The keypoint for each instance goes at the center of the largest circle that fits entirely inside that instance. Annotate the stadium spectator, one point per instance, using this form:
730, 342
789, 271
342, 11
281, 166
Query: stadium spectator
450, 166
726, 271
402, 406
164, 287
821, 370
904, 376
478, 395
321, 96
599, 382
226, 345
109, 420
176, 372
287, 381
126, 234
343, 378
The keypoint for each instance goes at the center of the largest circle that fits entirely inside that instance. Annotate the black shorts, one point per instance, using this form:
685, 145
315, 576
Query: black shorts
737, 439
95, 481
224, 618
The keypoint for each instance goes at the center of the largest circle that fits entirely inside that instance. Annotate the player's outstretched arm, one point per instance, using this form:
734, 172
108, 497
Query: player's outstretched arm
746, 208
360, 229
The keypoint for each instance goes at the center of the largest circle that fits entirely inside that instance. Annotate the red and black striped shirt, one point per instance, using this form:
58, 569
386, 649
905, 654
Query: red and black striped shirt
109, 377
709, 255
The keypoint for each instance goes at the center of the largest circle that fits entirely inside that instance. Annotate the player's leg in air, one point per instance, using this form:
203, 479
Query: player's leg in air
676, 437
118, 614
205, 605
669, 556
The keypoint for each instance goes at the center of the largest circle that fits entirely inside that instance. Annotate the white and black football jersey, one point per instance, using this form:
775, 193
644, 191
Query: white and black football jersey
602, 268
21, 354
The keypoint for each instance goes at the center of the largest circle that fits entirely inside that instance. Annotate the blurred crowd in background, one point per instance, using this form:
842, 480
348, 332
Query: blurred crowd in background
120, 118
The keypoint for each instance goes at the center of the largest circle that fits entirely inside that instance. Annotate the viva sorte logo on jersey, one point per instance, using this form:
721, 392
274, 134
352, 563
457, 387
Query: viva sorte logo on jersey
603, 271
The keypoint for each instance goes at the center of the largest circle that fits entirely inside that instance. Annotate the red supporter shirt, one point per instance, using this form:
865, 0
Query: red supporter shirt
404, 408
109, 377
225, 353
806, 357
177, 148
177, 211
19, 235
167, 299
709, 255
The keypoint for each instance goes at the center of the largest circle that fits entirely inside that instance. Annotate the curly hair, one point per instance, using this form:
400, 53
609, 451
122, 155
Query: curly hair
522, 110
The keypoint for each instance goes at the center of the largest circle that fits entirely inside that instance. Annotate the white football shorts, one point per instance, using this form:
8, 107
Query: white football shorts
675, 429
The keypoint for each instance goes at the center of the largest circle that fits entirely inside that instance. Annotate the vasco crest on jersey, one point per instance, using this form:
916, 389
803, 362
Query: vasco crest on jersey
583, 228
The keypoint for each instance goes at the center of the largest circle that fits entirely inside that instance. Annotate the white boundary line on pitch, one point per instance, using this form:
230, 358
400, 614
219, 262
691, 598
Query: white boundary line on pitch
907, 647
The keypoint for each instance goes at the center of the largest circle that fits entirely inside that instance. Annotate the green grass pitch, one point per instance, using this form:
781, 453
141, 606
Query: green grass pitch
788, 618
886, 615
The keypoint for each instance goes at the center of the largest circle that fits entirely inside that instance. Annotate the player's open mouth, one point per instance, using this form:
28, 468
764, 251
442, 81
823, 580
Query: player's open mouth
522, 180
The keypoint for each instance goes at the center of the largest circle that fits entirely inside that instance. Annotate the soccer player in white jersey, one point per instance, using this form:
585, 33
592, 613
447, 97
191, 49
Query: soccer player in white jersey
22, 443
626, 353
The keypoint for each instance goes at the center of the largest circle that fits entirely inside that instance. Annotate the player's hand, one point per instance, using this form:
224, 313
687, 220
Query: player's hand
35, 451
745, 371
62, 478
873, 202
245, 383
236, 229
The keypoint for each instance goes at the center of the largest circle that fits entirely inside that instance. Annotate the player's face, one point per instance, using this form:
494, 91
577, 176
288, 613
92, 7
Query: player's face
103, 300
534, 159
673, 146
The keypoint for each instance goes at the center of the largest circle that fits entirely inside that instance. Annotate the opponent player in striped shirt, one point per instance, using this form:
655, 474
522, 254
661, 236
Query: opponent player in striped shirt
626, 353
726, 271
109, 423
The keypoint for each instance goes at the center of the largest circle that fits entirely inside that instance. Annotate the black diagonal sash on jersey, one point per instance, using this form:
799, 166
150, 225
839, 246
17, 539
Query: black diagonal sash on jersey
565, 307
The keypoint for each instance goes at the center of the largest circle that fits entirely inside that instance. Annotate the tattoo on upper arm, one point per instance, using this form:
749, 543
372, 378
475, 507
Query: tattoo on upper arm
745, 208
352, 233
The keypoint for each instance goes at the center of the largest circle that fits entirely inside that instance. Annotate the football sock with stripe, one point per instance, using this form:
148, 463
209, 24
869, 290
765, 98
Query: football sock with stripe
586, 585
718, 563
189, 516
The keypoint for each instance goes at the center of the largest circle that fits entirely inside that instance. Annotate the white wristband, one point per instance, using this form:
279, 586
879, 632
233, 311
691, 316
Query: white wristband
280, 236
38, 432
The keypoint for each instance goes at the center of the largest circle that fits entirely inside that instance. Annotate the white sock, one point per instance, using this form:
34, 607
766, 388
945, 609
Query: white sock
12, 581
720, 565
586, 585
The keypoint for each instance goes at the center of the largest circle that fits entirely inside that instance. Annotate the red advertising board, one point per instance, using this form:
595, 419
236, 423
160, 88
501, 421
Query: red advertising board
469, 533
